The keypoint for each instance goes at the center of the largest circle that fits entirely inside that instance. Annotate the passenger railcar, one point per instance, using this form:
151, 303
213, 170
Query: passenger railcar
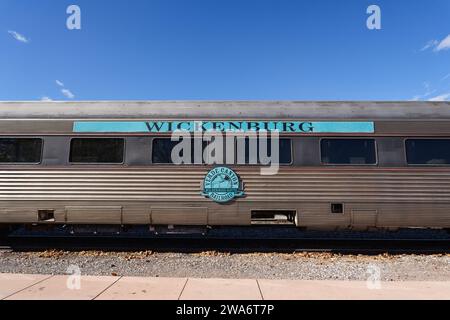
357, 165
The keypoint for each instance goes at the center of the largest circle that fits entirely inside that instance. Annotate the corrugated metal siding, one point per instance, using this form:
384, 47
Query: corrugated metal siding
400, 197
183, 184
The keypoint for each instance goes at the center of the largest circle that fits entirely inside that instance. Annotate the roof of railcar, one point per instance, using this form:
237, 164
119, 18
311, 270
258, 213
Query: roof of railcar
226, 110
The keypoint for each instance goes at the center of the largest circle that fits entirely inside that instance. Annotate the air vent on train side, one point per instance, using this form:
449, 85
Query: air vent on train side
47, 215
279, 217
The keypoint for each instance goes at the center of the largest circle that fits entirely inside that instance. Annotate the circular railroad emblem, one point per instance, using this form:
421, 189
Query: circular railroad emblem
222, 185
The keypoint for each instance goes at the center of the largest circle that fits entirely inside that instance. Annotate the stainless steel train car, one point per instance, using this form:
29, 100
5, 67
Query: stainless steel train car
342, 165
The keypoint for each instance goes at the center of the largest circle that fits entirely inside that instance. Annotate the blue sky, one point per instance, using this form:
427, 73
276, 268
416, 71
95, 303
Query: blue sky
225, 50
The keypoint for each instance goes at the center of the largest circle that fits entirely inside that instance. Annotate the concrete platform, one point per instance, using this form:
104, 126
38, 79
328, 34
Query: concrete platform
14, 283
56, 288
352, 290
221, 289
145, 289
46, 287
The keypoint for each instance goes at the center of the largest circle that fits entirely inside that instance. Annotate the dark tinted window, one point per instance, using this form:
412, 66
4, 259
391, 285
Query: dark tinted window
162, 150
102, 150
348, 151
18, 150
285, 150
428, 151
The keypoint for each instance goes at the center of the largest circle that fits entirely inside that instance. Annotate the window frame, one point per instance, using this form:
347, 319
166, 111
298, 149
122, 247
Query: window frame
375, 144
41, 155
96, 163
405, 152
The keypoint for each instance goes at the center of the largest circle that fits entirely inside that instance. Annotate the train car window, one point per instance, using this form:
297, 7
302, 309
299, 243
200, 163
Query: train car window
20, 150
428, 151
348, 151
97, 150
285, 151
162, 150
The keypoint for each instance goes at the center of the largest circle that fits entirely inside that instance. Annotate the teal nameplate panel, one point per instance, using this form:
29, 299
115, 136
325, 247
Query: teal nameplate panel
224, 126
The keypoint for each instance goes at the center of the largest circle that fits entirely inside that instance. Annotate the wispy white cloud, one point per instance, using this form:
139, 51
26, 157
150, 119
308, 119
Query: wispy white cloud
444, 44
430, 44
442, 97
45, 98
67, 93
446, 77
428, 92
19, 37
437, 45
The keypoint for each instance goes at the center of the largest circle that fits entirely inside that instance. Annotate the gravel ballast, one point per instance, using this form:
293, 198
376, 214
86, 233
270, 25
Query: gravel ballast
301, 266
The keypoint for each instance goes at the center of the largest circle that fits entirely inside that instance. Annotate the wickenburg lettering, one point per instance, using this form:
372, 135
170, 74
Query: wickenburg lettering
299, 127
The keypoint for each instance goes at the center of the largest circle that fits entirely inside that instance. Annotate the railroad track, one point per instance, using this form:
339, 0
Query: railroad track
241, 245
